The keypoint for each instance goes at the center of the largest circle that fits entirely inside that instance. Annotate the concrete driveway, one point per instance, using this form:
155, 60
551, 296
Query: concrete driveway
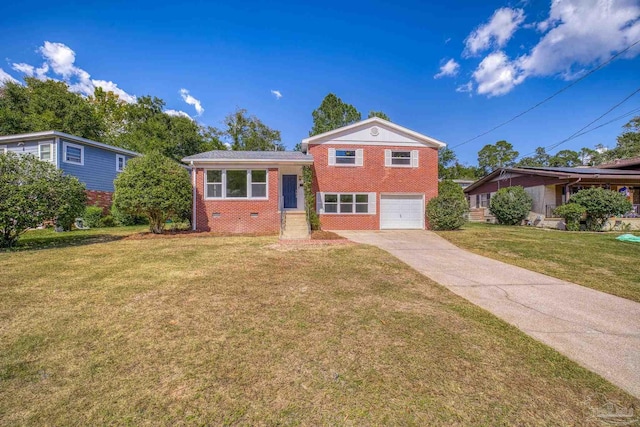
599, 331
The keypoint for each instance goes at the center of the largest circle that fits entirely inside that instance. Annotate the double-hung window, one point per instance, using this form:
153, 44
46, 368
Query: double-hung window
121, 162
345, 157
236, 184
45, 153
401, 158
3, 149
73, 153
483, 200
347, 203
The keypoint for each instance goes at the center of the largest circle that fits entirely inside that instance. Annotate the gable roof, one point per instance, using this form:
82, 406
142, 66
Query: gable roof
35, 136
229, 156
345, 130
558, 172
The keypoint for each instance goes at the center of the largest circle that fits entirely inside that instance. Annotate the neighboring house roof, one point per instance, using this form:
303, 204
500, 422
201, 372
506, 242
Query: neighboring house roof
34, 136
331, 135
560, 173
228, 156
623, 164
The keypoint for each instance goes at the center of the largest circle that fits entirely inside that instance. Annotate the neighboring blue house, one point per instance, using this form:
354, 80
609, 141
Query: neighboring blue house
93, 163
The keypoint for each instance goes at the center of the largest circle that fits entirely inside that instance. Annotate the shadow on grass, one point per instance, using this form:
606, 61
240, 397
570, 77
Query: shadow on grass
50, 239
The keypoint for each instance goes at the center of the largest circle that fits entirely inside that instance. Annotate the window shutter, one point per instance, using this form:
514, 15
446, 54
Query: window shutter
372, 203
332, 157
359, 157
387, 158
414, 158
477, 201
319, 203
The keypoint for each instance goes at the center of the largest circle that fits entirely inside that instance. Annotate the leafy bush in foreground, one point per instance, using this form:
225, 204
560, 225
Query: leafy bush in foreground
572, 214
446, 211
601, 204
511, 205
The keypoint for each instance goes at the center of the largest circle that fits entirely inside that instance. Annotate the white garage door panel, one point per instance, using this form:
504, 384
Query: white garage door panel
401, 211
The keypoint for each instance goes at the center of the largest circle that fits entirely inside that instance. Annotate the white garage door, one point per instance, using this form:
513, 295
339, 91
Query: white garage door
401, 211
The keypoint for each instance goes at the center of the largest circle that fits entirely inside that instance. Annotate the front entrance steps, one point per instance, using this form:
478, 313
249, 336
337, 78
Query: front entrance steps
294, 226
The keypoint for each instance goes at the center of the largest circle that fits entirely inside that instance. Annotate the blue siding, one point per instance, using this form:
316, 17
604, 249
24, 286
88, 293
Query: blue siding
98, 170
29, 147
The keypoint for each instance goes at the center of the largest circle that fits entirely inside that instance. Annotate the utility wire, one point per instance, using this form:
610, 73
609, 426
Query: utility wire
599, 67
582, 131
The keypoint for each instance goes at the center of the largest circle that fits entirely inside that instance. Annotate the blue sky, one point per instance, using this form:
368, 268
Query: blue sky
450, 70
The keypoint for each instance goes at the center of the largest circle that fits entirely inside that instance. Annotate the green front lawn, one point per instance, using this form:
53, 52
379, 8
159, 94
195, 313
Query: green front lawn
596, 260
233, 330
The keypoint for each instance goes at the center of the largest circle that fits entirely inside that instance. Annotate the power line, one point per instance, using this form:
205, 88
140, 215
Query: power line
599, 67
580, 132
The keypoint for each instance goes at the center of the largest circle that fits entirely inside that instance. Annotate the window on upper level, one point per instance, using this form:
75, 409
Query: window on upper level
121, 162
45, 152
73, 153
401, 158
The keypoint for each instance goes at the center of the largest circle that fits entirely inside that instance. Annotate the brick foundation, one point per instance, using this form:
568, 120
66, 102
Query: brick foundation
99, 198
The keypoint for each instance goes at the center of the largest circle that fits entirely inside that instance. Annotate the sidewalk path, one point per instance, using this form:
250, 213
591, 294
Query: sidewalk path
599, 331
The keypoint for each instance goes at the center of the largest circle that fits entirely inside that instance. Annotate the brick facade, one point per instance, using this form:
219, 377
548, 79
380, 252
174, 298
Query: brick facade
235, 216
373, 176
99, 198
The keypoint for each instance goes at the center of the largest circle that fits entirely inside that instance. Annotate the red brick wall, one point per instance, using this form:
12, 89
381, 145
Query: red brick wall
99, 198
235, 215
373, 176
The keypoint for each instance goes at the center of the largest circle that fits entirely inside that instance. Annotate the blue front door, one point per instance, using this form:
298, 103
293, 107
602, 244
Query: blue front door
289, 187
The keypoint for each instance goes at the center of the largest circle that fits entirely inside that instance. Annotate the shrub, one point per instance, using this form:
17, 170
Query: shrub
154, 186
107, 221
600, 205
310, 198
92, 216
572, 214
124, 219
32, 192
446, 211
511, 205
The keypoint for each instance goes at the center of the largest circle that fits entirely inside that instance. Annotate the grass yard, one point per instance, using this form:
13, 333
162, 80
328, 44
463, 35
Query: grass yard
595, 260
233, 330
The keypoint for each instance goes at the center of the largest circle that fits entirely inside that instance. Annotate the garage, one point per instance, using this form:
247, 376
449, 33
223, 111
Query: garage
401, 211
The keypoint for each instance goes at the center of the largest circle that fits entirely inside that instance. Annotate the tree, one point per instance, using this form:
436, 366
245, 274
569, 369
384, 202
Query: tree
628, 143
47, 105
510, 205
601, 204
447, 210
380, 114
539, 159
588, 156
450, 168
248, 133
333, 114
32, 192
565, 158
154, 186
498, 155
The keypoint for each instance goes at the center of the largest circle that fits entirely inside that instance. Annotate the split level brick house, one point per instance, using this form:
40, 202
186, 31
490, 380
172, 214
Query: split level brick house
370, 175
95, 164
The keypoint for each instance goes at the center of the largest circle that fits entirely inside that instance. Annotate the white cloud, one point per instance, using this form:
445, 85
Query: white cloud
60, 59
465, 88
186, 97
496, 75
110, 86
495, 33
450, 68
276, 93
577, 35
178, 113
6, 77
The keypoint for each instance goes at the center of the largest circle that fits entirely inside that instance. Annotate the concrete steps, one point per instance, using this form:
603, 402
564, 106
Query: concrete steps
295, 226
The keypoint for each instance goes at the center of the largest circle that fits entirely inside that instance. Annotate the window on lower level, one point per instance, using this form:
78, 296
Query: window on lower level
121, 162
45, 153
483, 200
73, 153
236, 184
346, 203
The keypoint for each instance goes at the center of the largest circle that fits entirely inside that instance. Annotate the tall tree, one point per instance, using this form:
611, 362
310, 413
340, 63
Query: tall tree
565, 158
628, 143
588, 156
47, 105
450, 168
539, 159
249, 133
380, 114
111, 110
333, 114
498, 155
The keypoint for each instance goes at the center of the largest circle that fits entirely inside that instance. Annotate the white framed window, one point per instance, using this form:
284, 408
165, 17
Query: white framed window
121, 162
346, 157
483, 200
401, 158
3, 149
346, 203
45, 151
236, 184
73, 153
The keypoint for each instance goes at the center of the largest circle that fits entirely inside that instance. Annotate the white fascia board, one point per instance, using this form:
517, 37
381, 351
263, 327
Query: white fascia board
34, 136
208, 163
